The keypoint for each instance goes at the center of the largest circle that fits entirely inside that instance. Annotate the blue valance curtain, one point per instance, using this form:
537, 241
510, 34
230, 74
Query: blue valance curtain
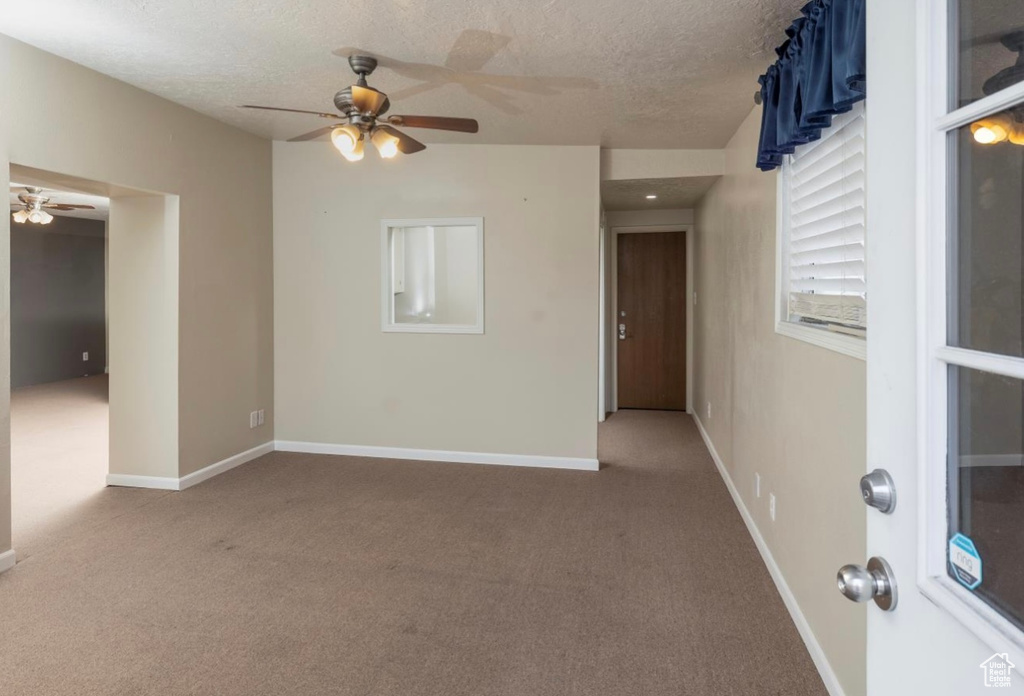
820, 73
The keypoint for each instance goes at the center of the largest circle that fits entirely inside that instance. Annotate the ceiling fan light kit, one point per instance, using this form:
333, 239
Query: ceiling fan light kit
990, 131
37, 217
362, 118
386, 144
348, 140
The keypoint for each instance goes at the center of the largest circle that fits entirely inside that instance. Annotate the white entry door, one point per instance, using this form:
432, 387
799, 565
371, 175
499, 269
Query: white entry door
945, 259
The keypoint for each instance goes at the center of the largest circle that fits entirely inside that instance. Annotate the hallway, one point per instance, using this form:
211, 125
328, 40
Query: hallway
316, 574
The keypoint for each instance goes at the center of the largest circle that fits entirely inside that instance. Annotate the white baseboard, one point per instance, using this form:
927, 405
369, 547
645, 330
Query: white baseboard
163, 483
225, 465
180, 484
813, 646
167, 483
577, 463
7, 560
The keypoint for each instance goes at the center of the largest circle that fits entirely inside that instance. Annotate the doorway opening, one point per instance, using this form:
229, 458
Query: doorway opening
647, 354
659, 359
89, 290
59, 405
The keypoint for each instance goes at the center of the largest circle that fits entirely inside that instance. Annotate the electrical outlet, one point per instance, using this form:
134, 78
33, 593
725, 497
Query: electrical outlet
771, 505
709, 409
85, 356
253, 419
757, 485
259, 418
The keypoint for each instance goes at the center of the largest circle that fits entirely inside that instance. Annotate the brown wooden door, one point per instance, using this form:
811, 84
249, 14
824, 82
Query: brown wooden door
652, 293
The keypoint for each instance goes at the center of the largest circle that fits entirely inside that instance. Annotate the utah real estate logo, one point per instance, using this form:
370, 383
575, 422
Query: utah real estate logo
997, 670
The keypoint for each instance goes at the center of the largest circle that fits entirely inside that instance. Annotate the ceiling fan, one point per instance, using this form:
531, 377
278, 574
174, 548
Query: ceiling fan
362, 118
35, 204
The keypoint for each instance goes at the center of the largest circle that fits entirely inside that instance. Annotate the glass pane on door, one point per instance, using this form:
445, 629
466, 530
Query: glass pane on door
986, 486
987, 245
990, 37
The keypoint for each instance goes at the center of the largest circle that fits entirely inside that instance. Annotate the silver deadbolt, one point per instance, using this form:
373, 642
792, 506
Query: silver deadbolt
622, 332
878, 490
859, 584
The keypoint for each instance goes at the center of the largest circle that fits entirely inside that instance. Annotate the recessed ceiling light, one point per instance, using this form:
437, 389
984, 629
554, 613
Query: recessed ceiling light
651, 196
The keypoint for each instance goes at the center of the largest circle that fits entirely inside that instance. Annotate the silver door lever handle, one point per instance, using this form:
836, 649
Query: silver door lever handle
622, 332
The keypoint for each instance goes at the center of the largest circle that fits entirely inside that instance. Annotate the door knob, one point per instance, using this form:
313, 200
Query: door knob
876, 582
622, 332
878, 490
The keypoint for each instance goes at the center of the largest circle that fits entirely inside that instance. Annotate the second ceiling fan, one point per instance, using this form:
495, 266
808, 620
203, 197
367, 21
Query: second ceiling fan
33, 206
362, 118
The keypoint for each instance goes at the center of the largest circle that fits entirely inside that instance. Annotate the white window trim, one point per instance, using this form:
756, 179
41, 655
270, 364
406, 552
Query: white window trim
840, 343
934, 355
386, 295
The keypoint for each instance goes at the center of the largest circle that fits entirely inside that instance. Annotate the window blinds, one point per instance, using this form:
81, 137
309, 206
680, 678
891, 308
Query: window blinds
825, 207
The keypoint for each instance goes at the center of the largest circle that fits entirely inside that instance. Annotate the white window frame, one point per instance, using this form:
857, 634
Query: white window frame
386, 290
935, 168
853, 346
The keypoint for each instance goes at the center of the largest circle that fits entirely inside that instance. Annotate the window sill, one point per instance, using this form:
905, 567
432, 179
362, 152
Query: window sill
841, 343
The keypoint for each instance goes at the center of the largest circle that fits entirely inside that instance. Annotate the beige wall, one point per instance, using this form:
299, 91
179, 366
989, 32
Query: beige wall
86, 125
6, 103
144, 294
527, 386
791, 411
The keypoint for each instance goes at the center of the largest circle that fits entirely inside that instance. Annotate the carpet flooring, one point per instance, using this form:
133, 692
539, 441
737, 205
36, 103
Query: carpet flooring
313, 574
59, 463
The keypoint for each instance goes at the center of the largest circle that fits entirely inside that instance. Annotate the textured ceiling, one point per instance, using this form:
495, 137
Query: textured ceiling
101, 203
639, 74
672, 194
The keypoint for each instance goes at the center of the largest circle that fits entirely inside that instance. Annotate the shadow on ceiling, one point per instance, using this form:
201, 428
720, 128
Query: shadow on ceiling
472, 50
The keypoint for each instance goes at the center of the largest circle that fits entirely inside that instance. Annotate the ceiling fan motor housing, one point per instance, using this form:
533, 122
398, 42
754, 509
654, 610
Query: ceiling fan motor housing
362, 65
346, 104
32, 199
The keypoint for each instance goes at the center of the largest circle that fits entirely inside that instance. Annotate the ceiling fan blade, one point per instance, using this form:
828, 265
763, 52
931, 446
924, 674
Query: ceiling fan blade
292, 111
367, 99
406, 144
312, 135
462, 125
68, 206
